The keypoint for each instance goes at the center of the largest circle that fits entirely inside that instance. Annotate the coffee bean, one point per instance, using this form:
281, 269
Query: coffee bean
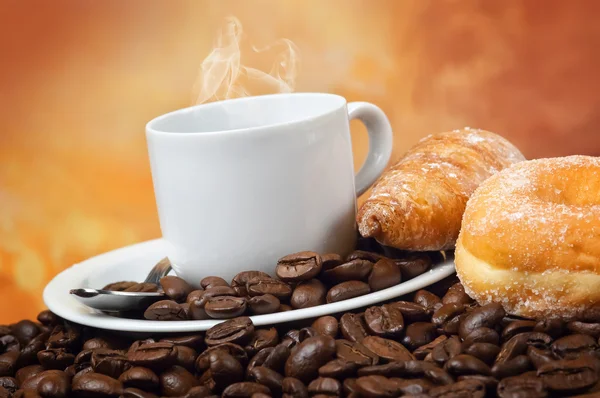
24, 331
244, 389
119, 286
392, 369
186, 357
356, 353
517, 365
592, 329
347, 290
238, 330
326, 386
54, 358
415, 265
225, 369
569, 375
485, 351
353, 327
293, 388
338, 369
196, 306
284, 308
109, 362
165, 310
258, 286
482, 335
139, 377
309, 294
456, 295
310, 355
463, 364
9, 343
176, 381
137, 393
521, 387
194, 340
267, 377
466, 388
412, 312
516, 327
572, 346
447, 312
385, 274
539, 356
326, 325
413, 386
142, 287
28, 371
51, 383
33, 382
518, 344
387, 349
487, 316
175, 288
428, 300
306, 332
330, 261
67, 337
365, 255
277, 358
418, 334
438, 376
352, 270
213, 281
9, 383
156, 356
446, 350
225, 307
377, 386
349, 388
384, 321
552, 327
48, 318
262, 338
96, 385
203, 360
424, 350
29, 352
489, 382
238, 283
299, 266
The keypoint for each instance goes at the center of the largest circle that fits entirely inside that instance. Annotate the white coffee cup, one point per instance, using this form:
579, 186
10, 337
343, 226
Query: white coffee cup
240, 183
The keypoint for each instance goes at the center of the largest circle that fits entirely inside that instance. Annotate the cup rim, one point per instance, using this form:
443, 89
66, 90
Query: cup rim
150, 129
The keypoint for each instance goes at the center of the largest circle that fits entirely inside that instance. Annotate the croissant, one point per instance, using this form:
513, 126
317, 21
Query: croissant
418, 203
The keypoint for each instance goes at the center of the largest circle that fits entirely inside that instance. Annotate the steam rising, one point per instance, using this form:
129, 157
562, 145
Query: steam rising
222, 74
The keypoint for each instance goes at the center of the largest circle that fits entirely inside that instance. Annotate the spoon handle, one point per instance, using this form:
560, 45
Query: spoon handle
161, 269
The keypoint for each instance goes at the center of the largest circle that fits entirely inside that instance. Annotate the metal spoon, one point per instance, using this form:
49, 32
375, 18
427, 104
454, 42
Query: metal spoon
113, 301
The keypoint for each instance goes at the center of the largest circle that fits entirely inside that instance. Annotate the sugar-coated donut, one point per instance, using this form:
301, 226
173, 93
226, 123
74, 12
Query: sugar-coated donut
530, 239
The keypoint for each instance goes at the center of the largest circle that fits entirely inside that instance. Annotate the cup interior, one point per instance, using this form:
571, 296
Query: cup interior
247, 113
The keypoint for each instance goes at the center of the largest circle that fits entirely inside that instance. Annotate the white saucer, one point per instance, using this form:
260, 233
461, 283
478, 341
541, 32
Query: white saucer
134, 262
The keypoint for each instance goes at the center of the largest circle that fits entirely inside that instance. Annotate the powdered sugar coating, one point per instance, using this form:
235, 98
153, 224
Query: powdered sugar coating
535, 227
418, 203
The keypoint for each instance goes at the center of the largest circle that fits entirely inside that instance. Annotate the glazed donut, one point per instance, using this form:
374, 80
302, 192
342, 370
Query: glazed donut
530, 239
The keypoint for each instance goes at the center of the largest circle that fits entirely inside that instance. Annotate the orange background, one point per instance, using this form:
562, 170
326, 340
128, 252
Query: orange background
79, 80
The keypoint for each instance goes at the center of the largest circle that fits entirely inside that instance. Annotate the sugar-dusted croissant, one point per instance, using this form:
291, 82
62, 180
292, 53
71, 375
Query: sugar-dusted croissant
418, 204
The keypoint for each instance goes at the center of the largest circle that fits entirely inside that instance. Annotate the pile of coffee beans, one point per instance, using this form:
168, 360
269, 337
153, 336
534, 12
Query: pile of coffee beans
433, 343
301, 280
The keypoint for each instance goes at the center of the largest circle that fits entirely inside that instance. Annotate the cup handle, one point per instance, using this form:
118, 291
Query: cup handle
380, 143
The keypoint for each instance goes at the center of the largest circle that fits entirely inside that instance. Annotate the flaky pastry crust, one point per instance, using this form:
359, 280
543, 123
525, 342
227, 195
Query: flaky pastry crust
418, 203
530, 239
